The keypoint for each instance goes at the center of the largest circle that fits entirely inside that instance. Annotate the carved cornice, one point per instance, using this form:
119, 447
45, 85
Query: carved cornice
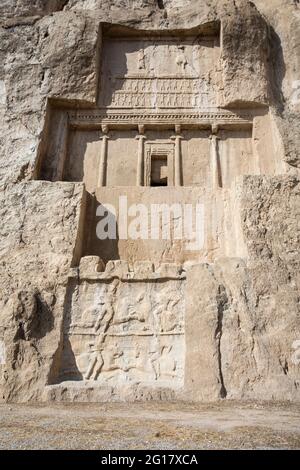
95, 118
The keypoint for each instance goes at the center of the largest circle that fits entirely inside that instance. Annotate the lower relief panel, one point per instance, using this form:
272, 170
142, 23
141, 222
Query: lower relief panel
120, 333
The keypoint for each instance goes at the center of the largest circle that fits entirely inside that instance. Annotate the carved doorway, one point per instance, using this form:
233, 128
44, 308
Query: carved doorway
159, 164
159, 170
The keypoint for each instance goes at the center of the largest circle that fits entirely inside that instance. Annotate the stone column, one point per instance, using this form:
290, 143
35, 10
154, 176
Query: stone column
215, 160
177, 163
140, 165
62, 145
103, 158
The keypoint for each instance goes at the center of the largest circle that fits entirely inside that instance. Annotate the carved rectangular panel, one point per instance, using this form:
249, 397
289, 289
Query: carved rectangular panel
160, 73
153, 149
125, 333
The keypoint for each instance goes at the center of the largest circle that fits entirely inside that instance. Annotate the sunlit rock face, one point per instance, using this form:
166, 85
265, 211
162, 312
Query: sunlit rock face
174, 126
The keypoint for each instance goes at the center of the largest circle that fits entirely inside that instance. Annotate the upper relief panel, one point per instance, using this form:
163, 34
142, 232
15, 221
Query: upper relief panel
160, 73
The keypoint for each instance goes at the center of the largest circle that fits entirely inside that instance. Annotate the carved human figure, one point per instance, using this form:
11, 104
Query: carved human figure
168, 99
135, 86
113, 353
141, 100
180, 100
181, 59
168, 321
180, 86
130, 315
156, 316
135, 311
167, 364
105, 317
96, 361
141, 59
143, 308
154, 360
107, 309
139, 359
124, 99
134, 359
154, 356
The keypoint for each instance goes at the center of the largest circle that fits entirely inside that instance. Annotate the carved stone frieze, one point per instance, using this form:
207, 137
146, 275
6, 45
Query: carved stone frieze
203, 118
125, 332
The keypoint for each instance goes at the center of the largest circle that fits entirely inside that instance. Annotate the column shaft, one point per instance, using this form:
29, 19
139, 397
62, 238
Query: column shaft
103, 162
140, 165
216, 177
177, 160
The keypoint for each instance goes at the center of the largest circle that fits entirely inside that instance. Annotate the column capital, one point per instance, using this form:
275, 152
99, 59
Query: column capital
140, 137
105, 128
178, 128
141, 128
214, 129
176, 137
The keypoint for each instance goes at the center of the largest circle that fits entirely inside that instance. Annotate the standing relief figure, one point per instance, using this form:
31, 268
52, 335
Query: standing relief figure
105, 317
168, 99
141, 60
154, 361
116, 100
142, 100
162, 100
102, 324
96, 361
107, 309
181, 59
168, 364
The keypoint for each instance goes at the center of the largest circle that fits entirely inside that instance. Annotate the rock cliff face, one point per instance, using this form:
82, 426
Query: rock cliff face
242, 314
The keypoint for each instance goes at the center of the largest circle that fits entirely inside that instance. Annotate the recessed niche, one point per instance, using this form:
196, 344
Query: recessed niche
159, 170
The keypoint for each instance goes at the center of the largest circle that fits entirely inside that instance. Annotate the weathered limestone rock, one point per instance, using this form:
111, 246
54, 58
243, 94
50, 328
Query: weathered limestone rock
253, 52
117, 268
170, 270
161, 102
206, 303
38, 232
15, 9
90, 265
143, 268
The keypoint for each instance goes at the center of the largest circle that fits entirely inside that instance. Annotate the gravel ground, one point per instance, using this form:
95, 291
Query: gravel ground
227, 425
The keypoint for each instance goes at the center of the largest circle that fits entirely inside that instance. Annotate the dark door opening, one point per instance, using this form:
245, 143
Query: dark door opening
159, 170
